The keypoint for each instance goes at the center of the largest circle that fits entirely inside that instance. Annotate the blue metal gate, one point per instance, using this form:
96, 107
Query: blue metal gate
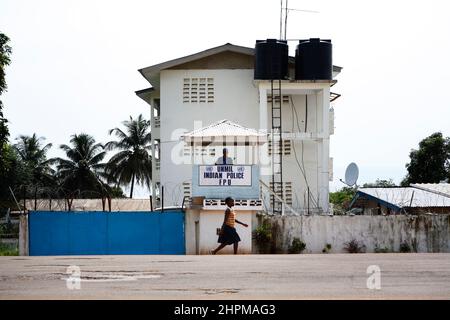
89, 233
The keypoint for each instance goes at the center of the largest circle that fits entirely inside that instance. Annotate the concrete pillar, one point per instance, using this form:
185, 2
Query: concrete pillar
23, 236
264, 159
152, 121
263, 109
324, 104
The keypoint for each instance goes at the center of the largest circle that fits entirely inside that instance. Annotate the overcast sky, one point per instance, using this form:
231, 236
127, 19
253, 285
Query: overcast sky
74, 65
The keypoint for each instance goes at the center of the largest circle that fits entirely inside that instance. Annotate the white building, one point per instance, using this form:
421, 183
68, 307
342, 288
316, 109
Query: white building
197, 90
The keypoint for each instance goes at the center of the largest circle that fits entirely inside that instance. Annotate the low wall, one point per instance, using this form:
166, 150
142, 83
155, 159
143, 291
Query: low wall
201, 236
424, 233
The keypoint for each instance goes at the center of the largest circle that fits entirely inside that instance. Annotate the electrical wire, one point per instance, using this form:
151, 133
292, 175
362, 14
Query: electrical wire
281, 19
302, 165
285, 20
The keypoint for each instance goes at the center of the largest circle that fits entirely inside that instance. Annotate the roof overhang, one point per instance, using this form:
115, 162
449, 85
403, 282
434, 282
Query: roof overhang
145, 94
224, 132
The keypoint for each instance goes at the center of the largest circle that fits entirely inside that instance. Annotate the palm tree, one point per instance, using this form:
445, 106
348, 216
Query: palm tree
82, 169
133, 162
33, 154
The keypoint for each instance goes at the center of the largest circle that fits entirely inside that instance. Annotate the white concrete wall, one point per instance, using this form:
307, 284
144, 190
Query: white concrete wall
236, 99
425, 233
208, 221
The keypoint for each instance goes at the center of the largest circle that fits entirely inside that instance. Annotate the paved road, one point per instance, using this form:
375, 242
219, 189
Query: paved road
309, 276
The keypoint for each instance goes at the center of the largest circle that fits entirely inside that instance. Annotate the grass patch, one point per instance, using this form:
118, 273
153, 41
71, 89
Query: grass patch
9, 249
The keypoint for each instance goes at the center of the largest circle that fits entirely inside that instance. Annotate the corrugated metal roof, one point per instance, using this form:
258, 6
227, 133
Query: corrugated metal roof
223, 128
440, 188
408, 197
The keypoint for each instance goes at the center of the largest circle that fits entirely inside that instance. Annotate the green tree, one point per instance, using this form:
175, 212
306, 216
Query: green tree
431, 162
380, 183
82, 170
5, 53
13, 174
341, 198
34, 158
133, 162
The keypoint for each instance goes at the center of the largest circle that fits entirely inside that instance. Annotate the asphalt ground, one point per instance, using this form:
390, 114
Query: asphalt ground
304, 276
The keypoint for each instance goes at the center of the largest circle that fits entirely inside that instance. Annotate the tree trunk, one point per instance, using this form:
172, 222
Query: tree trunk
132, 186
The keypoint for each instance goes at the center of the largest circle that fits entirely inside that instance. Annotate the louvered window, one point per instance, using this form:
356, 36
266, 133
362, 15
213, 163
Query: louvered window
198, 90
277, 99
187, 189
287, 147
203, 151
286, 189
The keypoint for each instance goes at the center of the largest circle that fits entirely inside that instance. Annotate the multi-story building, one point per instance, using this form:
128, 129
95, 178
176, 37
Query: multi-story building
200, 89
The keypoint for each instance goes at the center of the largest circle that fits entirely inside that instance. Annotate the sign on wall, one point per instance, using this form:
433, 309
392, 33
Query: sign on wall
225, 175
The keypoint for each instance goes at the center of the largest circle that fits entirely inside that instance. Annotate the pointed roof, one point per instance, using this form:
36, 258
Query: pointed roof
224, 131
199, 55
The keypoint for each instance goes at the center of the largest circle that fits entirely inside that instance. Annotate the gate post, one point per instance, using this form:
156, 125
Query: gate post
23, 236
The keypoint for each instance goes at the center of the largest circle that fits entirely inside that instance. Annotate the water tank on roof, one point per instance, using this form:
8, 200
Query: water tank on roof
313, 60
271, 59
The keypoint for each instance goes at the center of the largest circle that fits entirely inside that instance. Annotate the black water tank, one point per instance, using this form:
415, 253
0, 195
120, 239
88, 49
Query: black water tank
313, 60
271, 59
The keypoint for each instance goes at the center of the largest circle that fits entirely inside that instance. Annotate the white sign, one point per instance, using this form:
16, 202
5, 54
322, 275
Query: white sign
225, 175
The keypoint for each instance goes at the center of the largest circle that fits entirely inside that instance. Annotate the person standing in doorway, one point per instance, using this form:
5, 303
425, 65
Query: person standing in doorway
224, 159
228, 234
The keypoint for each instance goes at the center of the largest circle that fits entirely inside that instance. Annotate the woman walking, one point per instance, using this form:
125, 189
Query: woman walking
228, 234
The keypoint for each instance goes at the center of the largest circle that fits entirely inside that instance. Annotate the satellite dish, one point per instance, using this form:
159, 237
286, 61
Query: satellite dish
351, 174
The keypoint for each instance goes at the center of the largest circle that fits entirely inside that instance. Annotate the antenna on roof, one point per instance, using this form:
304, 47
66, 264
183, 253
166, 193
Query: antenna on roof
286, 10
351, 175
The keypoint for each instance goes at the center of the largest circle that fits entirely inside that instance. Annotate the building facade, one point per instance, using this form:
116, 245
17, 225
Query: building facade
194, 91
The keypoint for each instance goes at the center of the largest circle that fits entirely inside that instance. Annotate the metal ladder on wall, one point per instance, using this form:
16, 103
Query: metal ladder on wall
277, 147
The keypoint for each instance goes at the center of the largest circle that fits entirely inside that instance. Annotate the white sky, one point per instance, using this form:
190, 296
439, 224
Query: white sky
74, 65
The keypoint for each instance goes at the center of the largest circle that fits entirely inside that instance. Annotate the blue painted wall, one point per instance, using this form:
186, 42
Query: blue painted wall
237, 192
89, 233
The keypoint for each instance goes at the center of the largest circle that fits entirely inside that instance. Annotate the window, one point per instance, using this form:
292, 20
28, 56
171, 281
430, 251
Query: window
277, 99
286, 147
199, 151
187, 189
198, 90
286, 189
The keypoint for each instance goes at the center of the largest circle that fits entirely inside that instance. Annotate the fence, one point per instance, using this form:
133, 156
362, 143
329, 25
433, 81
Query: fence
98, 233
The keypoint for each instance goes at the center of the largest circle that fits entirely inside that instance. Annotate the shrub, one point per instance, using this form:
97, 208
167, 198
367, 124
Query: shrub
327, 248
405, 247
263, 236
297, 246
354, 246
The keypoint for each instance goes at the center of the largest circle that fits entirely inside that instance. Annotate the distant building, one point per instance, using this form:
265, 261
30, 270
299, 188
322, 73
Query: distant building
198, 90
416, 199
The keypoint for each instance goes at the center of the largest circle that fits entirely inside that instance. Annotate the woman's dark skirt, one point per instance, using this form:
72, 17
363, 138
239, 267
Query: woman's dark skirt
229, 235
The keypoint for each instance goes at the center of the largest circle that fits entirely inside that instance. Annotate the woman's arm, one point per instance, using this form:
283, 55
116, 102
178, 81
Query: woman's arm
244, 224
